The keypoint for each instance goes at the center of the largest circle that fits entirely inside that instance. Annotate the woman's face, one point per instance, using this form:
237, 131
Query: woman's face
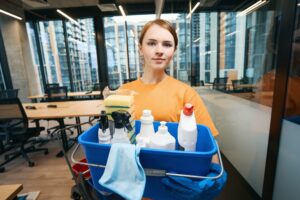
157, 48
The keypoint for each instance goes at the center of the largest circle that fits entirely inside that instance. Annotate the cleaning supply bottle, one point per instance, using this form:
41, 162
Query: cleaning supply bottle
103, 131
122, 125
147, 129
187, 128
162, 139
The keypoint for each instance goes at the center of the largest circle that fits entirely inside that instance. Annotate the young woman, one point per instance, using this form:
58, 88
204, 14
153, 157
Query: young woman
155, 90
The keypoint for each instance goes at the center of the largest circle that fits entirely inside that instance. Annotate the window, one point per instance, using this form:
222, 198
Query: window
72, 64
120, 61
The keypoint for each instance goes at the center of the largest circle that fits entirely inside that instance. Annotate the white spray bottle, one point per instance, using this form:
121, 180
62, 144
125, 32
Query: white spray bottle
104, 136
147, 129
162, 139
122, 125
187, 128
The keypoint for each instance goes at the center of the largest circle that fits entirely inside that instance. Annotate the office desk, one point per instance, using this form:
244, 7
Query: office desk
70, 94
88, 108
9, 192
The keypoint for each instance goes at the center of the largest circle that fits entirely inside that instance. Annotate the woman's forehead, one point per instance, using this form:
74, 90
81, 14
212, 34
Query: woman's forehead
159, 33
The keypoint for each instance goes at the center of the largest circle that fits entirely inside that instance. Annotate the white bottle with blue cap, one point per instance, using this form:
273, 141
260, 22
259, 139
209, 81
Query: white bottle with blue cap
162, 139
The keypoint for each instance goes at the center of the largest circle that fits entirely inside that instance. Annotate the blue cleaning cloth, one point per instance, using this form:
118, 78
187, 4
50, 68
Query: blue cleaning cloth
123, 173
205, 189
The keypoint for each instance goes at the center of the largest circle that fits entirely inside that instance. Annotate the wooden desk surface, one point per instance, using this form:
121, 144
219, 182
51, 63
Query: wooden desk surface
70, 94
9, 192
64, 109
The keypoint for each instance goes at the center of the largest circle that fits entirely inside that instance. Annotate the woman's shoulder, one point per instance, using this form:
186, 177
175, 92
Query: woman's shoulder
179, 84
130, 85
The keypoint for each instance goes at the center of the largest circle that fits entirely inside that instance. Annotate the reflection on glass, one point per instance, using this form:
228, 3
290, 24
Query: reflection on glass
292, 110
2, 82
82, 53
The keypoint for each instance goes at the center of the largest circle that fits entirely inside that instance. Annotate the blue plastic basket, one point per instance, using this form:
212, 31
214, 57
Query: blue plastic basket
181, 162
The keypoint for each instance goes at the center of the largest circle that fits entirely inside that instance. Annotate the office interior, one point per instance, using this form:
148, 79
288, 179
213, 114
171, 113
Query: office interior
241, 56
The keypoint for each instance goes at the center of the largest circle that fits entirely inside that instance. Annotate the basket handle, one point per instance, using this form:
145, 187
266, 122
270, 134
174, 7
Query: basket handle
158, 172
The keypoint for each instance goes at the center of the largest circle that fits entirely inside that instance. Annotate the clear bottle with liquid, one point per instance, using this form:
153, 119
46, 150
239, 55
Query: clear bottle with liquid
122, 126
147, 129
104, 135
162, 139
187, 128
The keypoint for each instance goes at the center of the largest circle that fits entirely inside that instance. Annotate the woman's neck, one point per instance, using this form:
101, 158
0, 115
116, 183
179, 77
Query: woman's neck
152, 77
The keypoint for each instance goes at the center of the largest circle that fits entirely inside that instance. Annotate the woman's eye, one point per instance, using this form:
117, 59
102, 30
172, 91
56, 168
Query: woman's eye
151, 43
168, 45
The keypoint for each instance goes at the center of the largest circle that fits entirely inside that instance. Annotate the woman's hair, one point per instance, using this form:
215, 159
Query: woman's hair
162, 23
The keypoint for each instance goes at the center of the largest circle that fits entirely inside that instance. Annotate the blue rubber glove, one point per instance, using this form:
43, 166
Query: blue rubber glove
205, 189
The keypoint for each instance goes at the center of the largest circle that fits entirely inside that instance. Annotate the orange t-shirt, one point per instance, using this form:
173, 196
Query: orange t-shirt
166, 99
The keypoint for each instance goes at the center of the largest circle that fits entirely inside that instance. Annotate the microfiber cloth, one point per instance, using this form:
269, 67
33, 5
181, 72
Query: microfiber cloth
188, 189
123, 173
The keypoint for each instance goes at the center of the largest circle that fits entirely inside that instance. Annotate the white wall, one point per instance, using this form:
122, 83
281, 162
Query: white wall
244, 129
287, 179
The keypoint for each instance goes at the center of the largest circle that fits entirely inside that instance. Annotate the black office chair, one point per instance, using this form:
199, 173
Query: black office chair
14, 123
128, 80
51, 85
56, 94
220, 84
99, 87
9, 93
6, 94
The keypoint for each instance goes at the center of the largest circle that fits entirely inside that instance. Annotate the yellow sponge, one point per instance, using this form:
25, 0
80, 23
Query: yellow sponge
119, 100
111, 109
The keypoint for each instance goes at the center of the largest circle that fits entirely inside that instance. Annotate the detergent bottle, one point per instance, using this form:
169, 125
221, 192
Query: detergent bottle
187, 128
122, 126
147, 129
162, 139
103, 131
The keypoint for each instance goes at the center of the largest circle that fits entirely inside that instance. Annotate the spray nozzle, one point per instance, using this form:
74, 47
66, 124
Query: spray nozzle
103, 121
122, 119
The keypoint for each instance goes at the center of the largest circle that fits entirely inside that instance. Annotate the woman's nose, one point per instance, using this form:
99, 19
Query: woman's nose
159, 49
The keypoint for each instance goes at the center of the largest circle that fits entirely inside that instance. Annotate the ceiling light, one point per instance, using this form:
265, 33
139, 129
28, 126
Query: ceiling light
107, 7
193, 10
67, 16
9, 14
253, 7
123, 13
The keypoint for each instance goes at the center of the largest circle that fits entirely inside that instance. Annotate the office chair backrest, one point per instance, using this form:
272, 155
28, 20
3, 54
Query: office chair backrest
220, 83
99, 86
13, 116
58, 93
9, 94
128, 80
50, 85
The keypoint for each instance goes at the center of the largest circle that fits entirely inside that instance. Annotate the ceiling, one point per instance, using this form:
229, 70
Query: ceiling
46, 9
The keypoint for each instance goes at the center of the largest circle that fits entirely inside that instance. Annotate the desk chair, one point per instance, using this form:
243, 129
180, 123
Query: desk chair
235, 86
56, 94
6, 94
128, 80
10, 93
50, 85
15, 125
220, 83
